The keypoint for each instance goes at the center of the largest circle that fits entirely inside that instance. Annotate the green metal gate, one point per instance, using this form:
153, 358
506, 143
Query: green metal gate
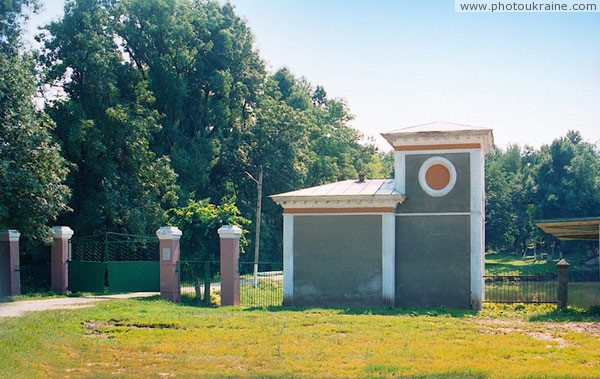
114, 261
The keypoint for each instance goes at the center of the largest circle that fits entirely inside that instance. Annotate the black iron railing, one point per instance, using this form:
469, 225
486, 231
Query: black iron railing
521, 288
201, 283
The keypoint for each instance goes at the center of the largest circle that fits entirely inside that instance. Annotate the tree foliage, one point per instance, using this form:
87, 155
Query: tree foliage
560, 180
106, 123
199, 221
169, 100
163, 104
32, 192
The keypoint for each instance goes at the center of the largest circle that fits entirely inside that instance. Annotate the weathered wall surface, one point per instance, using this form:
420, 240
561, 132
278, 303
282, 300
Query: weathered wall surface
417, 201
433, 261
433, 248
337, 260
4, 269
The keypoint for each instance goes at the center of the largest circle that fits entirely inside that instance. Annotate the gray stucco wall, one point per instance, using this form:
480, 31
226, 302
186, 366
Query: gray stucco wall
417, 201
337, 260
433, 261
4, 269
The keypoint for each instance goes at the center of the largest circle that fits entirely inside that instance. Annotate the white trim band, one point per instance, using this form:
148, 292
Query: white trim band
169, 233
437, 214
288, 259
9, 235
388, 259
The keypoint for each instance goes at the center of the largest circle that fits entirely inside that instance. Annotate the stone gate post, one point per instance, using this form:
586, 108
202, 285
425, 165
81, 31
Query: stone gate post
10, 275
169, 262
230, 275
563, 283
59, 256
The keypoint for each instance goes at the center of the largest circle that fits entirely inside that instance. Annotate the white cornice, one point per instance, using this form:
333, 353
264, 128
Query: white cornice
9, 235
340, 202
229, 231
169, 233
62, 231
482, 137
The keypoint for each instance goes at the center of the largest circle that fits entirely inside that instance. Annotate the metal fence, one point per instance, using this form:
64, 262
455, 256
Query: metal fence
264, 290
521, 288
584, 288
199, 278
201, 283
117, 247
114, 262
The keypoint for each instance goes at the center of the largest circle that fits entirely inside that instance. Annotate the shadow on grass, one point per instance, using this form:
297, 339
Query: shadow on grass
568, 314
32, 296
148, 298
530, 313
414, 312
510, 264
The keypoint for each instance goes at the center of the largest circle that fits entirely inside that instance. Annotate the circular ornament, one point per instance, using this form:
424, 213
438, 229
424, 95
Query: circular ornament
437, 176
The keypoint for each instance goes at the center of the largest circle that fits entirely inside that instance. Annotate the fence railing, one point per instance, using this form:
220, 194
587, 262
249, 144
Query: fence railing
521, 288
198, 280
266, 290
201, 283
584, 288
114, 247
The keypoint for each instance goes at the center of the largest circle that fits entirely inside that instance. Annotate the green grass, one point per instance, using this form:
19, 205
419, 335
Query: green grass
31, 296
266, 294
581, 294
508, 264
154, 338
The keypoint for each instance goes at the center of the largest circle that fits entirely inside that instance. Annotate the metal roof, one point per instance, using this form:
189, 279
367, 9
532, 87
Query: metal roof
437, 126
572, 229
440, 133
370, 187
374, 195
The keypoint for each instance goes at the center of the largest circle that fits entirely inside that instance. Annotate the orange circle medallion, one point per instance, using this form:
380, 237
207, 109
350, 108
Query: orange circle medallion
437, 177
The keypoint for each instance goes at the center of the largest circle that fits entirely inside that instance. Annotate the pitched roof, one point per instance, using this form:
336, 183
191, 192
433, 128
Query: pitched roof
440, 133
572, 229
370, 187
347, 194
436, 126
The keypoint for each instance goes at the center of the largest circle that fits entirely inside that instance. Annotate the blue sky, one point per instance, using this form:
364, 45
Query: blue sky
529, 76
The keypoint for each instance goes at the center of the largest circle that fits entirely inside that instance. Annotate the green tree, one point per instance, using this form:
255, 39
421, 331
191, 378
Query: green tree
523, 185
500, 228
199, 221
105, 124
182, 80
32, 192
566, 178
206, 77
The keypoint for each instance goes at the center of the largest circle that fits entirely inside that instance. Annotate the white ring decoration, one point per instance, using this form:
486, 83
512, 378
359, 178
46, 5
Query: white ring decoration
423, 181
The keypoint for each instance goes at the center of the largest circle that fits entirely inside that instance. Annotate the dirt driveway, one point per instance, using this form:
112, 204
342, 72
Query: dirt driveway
19, 308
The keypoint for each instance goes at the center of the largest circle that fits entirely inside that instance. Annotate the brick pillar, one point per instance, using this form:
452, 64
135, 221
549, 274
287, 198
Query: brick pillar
563, 283
59, 256
169, 262
230, 275
10, 270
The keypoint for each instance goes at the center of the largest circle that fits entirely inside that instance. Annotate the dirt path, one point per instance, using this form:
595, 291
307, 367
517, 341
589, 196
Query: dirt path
18, 308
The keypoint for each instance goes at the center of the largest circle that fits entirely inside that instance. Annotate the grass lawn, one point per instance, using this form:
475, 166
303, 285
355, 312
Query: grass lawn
154, 338
508, 264
581, 293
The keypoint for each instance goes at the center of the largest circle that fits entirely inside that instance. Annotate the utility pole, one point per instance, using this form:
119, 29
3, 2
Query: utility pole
258, 212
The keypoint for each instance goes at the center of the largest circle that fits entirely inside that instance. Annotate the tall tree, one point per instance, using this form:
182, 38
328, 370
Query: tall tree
105, 124
559, 180
32, 192
206, 77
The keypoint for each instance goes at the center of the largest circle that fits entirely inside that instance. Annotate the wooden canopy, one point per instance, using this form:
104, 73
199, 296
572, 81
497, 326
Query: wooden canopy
572, 229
